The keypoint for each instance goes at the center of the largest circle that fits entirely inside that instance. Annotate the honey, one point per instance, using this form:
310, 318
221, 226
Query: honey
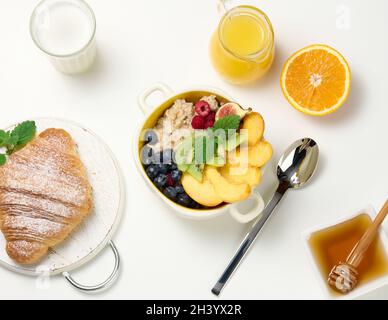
334, 244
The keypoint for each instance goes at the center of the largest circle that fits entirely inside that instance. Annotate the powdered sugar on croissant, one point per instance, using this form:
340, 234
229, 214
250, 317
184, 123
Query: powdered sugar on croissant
44, 195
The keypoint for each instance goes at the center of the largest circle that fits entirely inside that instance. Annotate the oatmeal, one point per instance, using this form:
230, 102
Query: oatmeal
174, 125
212, 101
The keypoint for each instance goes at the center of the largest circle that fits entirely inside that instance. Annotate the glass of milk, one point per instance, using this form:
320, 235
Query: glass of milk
65, 30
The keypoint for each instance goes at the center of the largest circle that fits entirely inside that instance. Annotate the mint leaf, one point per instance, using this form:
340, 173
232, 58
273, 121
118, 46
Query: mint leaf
16, 139
231, 122
3, 159
22, 134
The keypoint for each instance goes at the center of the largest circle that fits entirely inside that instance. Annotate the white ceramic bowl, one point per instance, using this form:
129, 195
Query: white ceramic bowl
152, 113
359, 290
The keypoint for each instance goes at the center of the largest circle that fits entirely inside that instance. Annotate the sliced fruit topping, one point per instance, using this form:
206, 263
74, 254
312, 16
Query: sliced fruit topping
202, 108
238, 158
256, 156
316, 80
248, 174
254, 124
216, 161
202, 192
183, 167
259, 154
231, 108
196, 170
184, 154
234, 141
228, 192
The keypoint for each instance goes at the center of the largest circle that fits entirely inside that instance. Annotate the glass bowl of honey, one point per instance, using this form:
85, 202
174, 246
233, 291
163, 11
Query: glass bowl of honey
329, 244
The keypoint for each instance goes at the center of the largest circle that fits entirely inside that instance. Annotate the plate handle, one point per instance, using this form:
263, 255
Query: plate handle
158, 87
102, 285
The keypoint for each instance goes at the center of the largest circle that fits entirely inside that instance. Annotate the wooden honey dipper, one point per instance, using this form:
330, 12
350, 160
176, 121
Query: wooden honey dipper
344, 276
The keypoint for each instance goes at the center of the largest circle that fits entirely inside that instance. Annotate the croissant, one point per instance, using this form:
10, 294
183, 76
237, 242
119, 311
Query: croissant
44, 195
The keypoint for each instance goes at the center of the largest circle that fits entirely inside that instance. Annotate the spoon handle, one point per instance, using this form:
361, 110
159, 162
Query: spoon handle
249, 239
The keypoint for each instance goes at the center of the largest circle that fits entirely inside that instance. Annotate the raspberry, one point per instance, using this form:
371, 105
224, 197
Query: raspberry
209, 124
170, 180
198, 122
211, 117
202, 108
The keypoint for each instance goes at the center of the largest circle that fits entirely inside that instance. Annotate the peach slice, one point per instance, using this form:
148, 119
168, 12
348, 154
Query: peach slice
249, 174
254, 124
227, 191
238, 157
202, 192
260, 154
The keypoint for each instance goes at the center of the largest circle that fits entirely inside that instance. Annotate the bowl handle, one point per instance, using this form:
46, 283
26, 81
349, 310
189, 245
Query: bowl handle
246, 217
103, 285
158, 87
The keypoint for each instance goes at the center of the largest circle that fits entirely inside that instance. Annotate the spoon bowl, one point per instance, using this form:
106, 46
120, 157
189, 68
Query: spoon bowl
298, 163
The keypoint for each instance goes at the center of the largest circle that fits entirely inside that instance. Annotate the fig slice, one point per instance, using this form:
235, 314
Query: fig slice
232, 108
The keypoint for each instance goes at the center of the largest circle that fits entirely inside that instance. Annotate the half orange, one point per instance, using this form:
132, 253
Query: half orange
316, 80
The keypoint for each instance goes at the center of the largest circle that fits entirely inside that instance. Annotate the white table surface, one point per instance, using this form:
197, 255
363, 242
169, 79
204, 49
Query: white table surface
143, 42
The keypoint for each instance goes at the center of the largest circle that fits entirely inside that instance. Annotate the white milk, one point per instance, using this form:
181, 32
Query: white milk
64, 29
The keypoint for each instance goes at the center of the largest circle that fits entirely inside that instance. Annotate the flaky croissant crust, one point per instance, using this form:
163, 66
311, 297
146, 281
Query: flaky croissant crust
44, 195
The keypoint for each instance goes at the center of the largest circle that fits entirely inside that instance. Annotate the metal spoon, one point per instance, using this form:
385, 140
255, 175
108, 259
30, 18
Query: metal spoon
295, 168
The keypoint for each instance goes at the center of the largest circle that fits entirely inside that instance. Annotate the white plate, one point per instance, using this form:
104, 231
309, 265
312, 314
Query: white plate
93, 234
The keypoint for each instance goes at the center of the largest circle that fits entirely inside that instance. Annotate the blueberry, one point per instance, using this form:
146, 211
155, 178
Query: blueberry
174, 166
162, 168
160, 181
194, 205
150, 137
176, 175
184, 199
179, 189
147, 155
170, 193
152, 171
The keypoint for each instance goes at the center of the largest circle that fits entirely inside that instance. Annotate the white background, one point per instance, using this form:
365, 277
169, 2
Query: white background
142, 42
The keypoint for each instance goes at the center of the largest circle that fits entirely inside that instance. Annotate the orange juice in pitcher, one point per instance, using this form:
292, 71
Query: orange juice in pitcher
242, 48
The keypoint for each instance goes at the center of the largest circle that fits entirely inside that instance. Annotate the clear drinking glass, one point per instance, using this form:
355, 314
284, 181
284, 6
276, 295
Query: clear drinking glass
65, 31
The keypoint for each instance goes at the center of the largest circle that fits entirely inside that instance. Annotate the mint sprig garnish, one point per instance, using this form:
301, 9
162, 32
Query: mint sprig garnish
22, 134
227, 123
16, 139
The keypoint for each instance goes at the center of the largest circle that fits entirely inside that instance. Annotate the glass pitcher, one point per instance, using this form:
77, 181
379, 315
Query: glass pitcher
242, 48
